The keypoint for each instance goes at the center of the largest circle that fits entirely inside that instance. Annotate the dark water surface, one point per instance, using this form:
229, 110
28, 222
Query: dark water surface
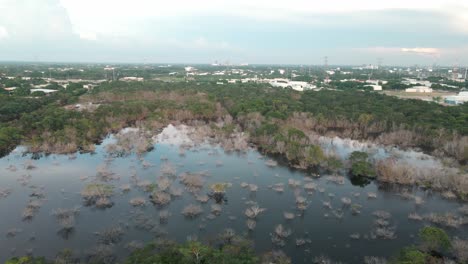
326, 233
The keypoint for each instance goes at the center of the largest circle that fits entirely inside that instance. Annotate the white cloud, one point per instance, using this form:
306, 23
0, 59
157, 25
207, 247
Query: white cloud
422, 51
88, 35
118, 16
3, 33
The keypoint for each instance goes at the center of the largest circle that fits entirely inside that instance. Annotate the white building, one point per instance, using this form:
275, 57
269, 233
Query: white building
376, 82
47, 91
295, 85
128, 79
376, 87
416, 82
419, 89
461, 98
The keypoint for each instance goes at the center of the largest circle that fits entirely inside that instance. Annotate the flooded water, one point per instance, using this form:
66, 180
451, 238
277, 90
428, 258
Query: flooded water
340, 220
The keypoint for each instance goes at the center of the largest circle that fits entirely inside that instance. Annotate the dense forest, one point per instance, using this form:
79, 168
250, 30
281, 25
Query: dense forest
278, 121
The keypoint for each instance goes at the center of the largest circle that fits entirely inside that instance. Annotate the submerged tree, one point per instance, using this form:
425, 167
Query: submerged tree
218, 192
360, 165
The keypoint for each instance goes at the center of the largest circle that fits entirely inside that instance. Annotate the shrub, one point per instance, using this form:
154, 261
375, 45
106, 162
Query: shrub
434, 239
360, 165
411, 255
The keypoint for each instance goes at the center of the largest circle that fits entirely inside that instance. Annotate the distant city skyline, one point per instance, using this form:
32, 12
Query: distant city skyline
255, 32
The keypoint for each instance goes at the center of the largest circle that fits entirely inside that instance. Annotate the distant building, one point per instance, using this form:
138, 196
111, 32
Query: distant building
295, 85
132, 79
419, 89
47, 91
461, 98
10, 88
376, 87
376, 82
417, 82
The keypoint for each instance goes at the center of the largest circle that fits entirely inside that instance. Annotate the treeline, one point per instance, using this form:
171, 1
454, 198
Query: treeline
268, 114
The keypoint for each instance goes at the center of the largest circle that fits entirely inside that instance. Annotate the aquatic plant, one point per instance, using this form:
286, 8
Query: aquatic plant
125, 188
103, 202
301, 203
28, 213
216, 209
275, 257
24, 179
336, 179
104, 174
253, 211
418, 200
327, 204
134, 245
251, 224
288, 216
163, 183
193, 182
460, 250
384, 233
66, 217
97, 194
4, 193
102, 254
300, 242
449, 195
12, 232
192, 211
271, 163
138, 201
356, 209
294, 183
278, 187
219, 187
202, 198
382, 214
279, 235
447, 219
160, 198
168, 169
253, 187
374, 260
415, 216
463, 209
29, 165
110, 236
176, 191
227, 235
310, 187
164, 216
146, 185
346, 201
12, 168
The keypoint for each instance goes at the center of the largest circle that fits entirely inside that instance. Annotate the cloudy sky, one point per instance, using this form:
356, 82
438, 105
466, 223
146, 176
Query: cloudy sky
401, 32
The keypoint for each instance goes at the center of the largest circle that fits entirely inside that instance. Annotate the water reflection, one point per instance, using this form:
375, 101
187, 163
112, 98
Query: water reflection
180, 189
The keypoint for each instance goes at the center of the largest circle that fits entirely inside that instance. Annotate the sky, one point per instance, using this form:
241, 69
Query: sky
399, 32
